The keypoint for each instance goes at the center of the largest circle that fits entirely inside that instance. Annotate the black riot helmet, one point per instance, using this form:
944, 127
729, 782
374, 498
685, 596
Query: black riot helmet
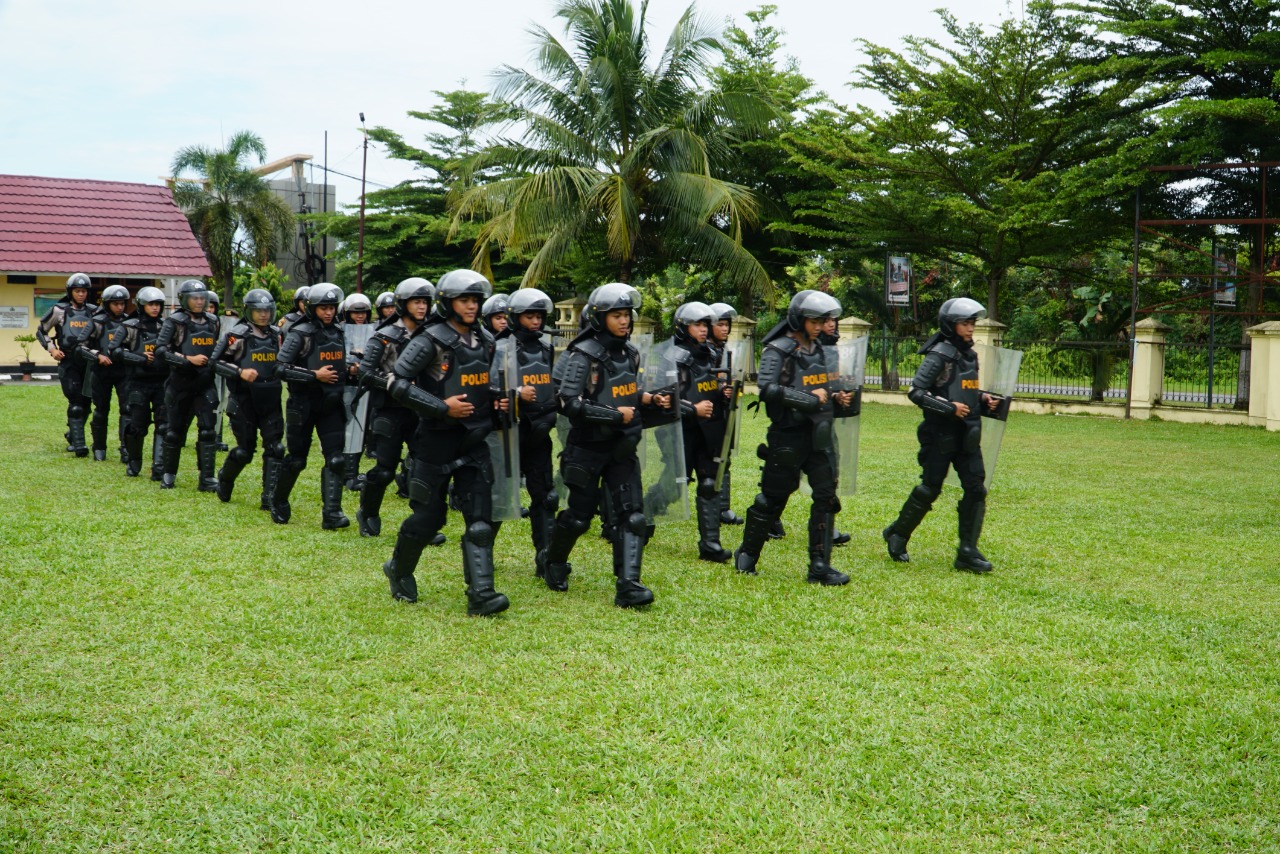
214, 302
324, 293
354, 303
459, 283
386, 299
415, 287
723, 311
259, 300
300, 298
79, 280
689, 314
958, 310
526, 300
494, 305
115, 293
190, 290
607, 298
148, 295
811, 304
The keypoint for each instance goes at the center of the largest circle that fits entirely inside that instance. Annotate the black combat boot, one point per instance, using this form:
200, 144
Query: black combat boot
231, 468
399, 569
207, 461
270, 474
133, 450
900, 530
98, 433
628, 553
553, 562
331, 515
727, 516
99, 455
157, 457
477, 566
776, 531
753, 537
821, 529
709, 548
354, 478
281, 510
172, 456
968, 558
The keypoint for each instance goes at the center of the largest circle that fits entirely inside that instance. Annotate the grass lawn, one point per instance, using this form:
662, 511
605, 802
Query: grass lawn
178, 674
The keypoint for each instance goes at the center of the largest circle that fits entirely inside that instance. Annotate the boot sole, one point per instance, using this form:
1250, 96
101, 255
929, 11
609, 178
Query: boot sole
976, 570
496, 605
633, 603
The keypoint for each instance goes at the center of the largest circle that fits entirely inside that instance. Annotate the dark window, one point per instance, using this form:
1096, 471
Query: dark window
20, 279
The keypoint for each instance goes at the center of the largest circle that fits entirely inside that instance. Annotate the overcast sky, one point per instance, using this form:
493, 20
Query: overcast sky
111, 90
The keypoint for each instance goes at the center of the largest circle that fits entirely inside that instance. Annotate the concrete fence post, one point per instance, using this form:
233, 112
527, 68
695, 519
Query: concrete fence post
1264, 375
987, 335
1148, 367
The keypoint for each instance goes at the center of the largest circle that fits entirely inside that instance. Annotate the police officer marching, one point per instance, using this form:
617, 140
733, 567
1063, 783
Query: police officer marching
186, 342
313, 360
100, 351
246, 356
794, 386
145, 382
945, 387
392, 425
704, 419
443, 375
60, 332
600, 394
527, 312
722, 317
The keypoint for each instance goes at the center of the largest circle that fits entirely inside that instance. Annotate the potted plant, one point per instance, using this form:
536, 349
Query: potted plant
26, 365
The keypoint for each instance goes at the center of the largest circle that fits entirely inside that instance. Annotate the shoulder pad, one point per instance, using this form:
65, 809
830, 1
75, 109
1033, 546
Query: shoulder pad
785, 344
133, 322
303, 327
592, 349
444, 334
946, 350
241, 329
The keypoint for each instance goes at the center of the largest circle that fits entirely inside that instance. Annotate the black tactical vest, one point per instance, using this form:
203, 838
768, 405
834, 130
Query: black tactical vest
465, 371
199, 336
534, 361
704, 382
145, 342
110, 333
616, 380
328, 349
259, 353
958, 381
77, 325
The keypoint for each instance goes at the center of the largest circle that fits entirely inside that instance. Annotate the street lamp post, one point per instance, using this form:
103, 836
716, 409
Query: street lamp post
364, 163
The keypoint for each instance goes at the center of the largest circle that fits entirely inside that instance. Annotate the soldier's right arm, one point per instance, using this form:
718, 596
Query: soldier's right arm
226, 355
52, 320
573, 393
414, 360
290, 351
369, 371
129, 345
773, 390
164, 343
95, 332
921, 392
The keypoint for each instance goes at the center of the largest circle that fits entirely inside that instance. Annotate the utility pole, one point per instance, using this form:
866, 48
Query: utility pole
360, 251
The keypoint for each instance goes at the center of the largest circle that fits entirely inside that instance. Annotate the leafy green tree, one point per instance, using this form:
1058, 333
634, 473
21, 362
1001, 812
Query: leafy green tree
232, 210
994, 152
619, 156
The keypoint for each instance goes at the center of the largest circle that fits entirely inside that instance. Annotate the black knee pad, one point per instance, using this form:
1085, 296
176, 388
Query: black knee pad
240, 455
707, 488
480, 532
75, 411
207, 436
836, 506
551, 502
926, 493
635, 523
337, 463
295, 464
274, 450
380, 475
975, 493
572, 522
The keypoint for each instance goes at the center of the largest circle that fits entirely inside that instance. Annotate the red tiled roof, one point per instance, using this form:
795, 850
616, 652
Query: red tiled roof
107, 228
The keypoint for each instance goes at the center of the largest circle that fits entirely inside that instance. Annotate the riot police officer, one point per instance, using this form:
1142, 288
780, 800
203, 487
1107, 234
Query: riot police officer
494, 314
444, 376
527, 312
945, 388
600, 394
723, 316
60, 332
186, 342
299, 312
385, 306
247, 356
391, 425
704, 417
356, 310
793, 381
145, 383
313, 359
100, 351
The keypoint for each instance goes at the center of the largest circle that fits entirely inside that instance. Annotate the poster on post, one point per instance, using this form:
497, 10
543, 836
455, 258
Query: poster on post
897, 280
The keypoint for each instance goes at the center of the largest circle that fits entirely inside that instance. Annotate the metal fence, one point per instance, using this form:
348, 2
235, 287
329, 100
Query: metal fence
1198, 375
1095, 371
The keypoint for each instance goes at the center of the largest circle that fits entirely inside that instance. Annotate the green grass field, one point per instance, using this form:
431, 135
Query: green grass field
177, 674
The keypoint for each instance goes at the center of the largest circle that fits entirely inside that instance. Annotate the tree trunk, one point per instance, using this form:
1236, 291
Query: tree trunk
228, 291
995, 278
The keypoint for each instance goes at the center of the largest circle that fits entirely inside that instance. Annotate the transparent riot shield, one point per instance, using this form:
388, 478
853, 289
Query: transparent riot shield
850, 366
661, 451
733, 365
225, 322
999, 368
354, 403
504, 443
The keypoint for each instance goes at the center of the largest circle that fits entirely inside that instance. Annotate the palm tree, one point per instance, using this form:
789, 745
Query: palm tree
616, 157
232, 211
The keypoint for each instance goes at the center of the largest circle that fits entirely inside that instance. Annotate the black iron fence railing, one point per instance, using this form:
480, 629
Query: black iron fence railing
1198, 375
1091, 371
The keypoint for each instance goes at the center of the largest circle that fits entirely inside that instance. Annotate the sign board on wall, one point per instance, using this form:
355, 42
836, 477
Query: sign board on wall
14, 317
